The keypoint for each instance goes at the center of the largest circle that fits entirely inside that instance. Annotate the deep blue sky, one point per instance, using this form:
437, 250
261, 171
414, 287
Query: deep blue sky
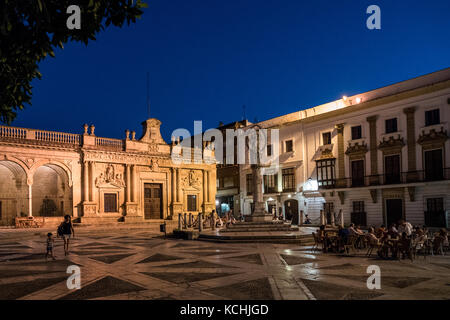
207, 58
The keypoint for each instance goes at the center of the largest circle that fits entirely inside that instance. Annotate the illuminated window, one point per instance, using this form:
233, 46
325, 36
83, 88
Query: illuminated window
192, 202
270, 183
289, 146
288, 180
249, 184
110, 202
326, 173
432, 117
326, 138
391, 125
356, 133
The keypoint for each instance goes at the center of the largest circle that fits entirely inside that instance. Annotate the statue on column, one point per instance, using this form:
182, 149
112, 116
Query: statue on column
259, 212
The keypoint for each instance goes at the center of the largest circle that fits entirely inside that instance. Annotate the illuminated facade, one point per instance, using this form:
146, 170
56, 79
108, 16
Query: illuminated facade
378, 156
99, 180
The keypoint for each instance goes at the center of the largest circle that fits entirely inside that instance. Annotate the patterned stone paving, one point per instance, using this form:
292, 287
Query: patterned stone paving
124, 264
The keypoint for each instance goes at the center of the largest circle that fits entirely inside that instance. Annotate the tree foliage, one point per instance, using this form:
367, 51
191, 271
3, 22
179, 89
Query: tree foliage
31, 30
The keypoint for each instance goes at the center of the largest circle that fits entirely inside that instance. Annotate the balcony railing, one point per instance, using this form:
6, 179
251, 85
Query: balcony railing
40, 135
109, 143
386, 179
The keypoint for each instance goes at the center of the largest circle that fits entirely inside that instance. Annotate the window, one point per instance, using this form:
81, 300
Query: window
289, 146
358, 215
392, 169
326, 173
221, 182
391, 125
357, 173
270, 183
192, 202
110, 202
432, 117
288, 180
249, 184
356, 133
435, 214
269, 150
326, 138
434, 169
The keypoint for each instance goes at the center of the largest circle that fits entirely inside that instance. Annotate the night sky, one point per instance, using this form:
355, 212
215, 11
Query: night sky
207, 58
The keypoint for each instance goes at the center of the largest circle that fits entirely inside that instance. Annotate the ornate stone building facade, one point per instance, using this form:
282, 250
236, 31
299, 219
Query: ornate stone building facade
95, 179
378, 156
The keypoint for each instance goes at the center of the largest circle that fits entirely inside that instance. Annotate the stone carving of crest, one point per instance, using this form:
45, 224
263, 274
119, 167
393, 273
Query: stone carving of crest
192, 180
109, 176
154, 165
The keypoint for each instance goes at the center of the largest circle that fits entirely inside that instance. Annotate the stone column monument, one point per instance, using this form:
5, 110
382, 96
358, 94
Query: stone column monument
259, 213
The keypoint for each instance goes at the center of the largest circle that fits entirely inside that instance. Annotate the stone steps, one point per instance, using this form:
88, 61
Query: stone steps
262, 229
262, 238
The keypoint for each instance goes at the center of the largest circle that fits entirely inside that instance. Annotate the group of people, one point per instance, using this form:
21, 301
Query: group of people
64, 231
226, 220
401, 238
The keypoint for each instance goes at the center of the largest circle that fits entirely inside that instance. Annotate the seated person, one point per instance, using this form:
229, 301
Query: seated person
307, 219
373, 239
343, 236
353, 231
381, 231
393, 232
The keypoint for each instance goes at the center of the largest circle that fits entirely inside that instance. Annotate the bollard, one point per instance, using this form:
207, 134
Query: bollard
179, 221
190, 219
185, 221
200, 222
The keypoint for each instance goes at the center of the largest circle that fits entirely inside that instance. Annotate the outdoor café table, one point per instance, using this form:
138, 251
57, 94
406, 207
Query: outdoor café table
360, 241
332, 241
393, 246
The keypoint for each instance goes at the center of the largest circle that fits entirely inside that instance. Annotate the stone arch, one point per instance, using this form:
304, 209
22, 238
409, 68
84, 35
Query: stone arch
52, 193
55, 164
13, 191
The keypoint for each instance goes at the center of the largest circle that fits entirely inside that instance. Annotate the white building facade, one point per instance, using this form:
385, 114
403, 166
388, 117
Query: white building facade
378, 156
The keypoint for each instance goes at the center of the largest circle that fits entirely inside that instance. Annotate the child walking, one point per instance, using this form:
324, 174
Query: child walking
50, 245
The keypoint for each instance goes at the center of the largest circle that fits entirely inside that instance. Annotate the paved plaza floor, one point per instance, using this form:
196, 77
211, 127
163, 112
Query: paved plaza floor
138, 264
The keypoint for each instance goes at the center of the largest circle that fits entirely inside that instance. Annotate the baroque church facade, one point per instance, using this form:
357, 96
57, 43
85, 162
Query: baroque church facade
99, 180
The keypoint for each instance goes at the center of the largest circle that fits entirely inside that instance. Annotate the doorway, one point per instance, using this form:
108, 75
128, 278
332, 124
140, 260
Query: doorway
291, 210
328, 209
152, 201
394, 211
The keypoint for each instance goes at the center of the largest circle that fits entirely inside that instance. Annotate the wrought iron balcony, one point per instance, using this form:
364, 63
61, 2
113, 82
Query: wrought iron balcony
388, 179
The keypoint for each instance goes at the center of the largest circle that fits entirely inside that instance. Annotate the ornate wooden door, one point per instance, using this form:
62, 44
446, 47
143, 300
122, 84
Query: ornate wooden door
152, 201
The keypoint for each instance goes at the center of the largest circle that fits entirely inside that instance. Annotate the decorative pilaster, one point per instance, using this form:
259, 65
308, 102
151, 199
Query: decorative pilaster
178, 185
341, 165
411, 143
86, 181
128, 193
205, 189
91, 181
373, 150
89, 207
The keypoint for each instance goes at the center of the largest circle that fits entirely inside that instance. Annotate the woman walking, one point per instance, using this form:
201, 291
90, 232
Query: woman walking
66, 230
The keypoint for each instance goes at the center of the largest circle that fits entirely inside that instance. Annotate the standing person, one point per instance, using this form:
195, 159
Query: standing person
66, 230
50, 245
404, 226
